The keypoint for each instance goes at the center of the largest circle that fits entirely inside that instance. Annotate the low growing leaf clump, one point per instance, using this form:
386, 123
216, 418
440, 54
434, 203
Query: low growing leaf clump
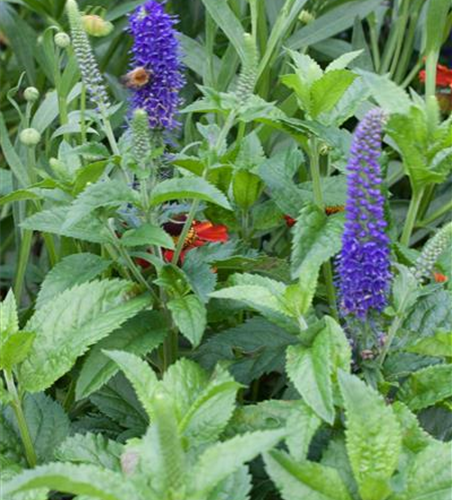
225, 274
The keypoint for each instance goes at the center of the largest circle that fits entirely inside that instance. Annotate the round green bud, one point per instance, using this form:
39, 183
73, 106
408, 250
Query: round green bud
306, 17
62, 40
96, 26
31, 94
30, 137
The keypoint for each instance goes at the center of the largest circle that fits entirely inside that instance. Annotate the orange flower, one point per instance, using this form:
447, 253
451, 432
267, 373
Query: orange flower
443, 76
439, 277
199, 234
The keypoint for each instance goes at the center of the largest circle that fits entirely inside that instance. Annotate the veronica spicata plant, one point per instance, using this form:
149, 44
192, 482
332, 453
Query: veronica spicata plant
364, 266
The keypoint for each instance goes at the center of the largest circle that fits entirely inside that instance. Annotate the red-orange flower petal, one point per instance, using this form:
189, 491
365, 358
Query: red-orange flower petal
443, 76
207, 231
439, 277
290, 221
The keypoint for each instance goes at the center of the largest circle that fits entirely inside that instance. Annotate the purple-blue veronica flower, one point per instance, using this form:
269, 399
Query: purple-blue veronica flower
363, 266
156, 48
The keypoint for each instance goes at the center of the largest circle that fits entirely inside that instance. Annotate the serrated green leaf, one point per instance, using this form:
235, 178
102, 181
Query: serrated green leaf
373, 437
223, 459
104, 194
296, 480
75, 479
190, 316
414, 438
47, 423
439, 344
237, 486
252, 349
427, 386
191, 188
335, 456
428, 476
70, 271
343, 61
9, 321
15, 349
389, 96
69, 324
147, 234
140, 375
53, 219
326, 91
310, 371
139, 335
92, 449
246, 188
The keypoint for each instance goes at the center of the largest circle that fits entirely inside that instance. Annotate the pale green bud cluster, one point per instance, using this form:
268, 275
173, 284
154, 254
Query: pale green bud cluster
141, 137
248, 74
87, 63
62, 40
31, 94
306, 17
432, 250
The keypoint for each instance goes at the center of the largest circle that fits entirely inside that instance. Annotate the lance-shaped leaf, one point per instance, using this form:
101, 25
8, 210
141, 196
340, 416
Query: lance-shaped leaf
9, 321
190, 316
297, 480
373, 437
188, 188
69, 324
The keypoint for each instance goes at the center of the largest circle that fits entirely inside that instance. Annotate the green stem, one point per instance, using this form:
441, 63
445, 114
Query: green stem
24, 253
110, 136
430, 75
83, 114
435, 215
30, 453
411, 216
318, 200
412, 74
401, 30
374, 43
393, 329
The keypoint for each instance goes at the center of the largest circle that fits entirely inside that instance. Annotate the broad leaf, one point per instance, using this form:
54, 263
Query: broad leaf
296, 480
427, 386
75, 479
72, 270
373, 437
140, 374
139, 335
188, 188
223, 459
68, 325
439, 344
190, 316
47, 423
93, 449
326, 91
103, 194
15, 349
147, 234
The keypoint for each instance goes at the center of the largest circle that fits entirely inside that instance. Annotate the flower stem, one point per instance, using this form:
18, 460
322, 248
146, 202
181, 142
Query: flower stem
411, 216
30, 453
318, 200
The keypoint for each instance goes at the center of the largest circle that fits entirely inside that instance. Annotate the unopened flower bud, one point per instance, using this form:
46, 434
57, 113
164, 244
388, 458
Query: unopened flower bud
30, 137
306, 17
96, 26
31, 94
62, 40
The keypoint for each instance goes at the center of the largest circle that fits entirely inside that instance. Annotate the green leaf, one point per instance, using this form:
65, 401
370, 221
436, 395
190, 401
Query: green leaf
9, 321
228, 22
46, 421
75, 479
326, 91
223, 459
191, 188
12, 158
190, 316
296, 480
252, 349
344, 60
92, 449
210, 411
373, 437
246, 188
15, 349
70, 271
69, 324
140, 374
389, 96
414, 438
427, 386
428, 476
317, 238
439, 345
104, 194
310, 371
302, 424
333, 22
147, 234
140, 335
19, 195
53, 220
435, 24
